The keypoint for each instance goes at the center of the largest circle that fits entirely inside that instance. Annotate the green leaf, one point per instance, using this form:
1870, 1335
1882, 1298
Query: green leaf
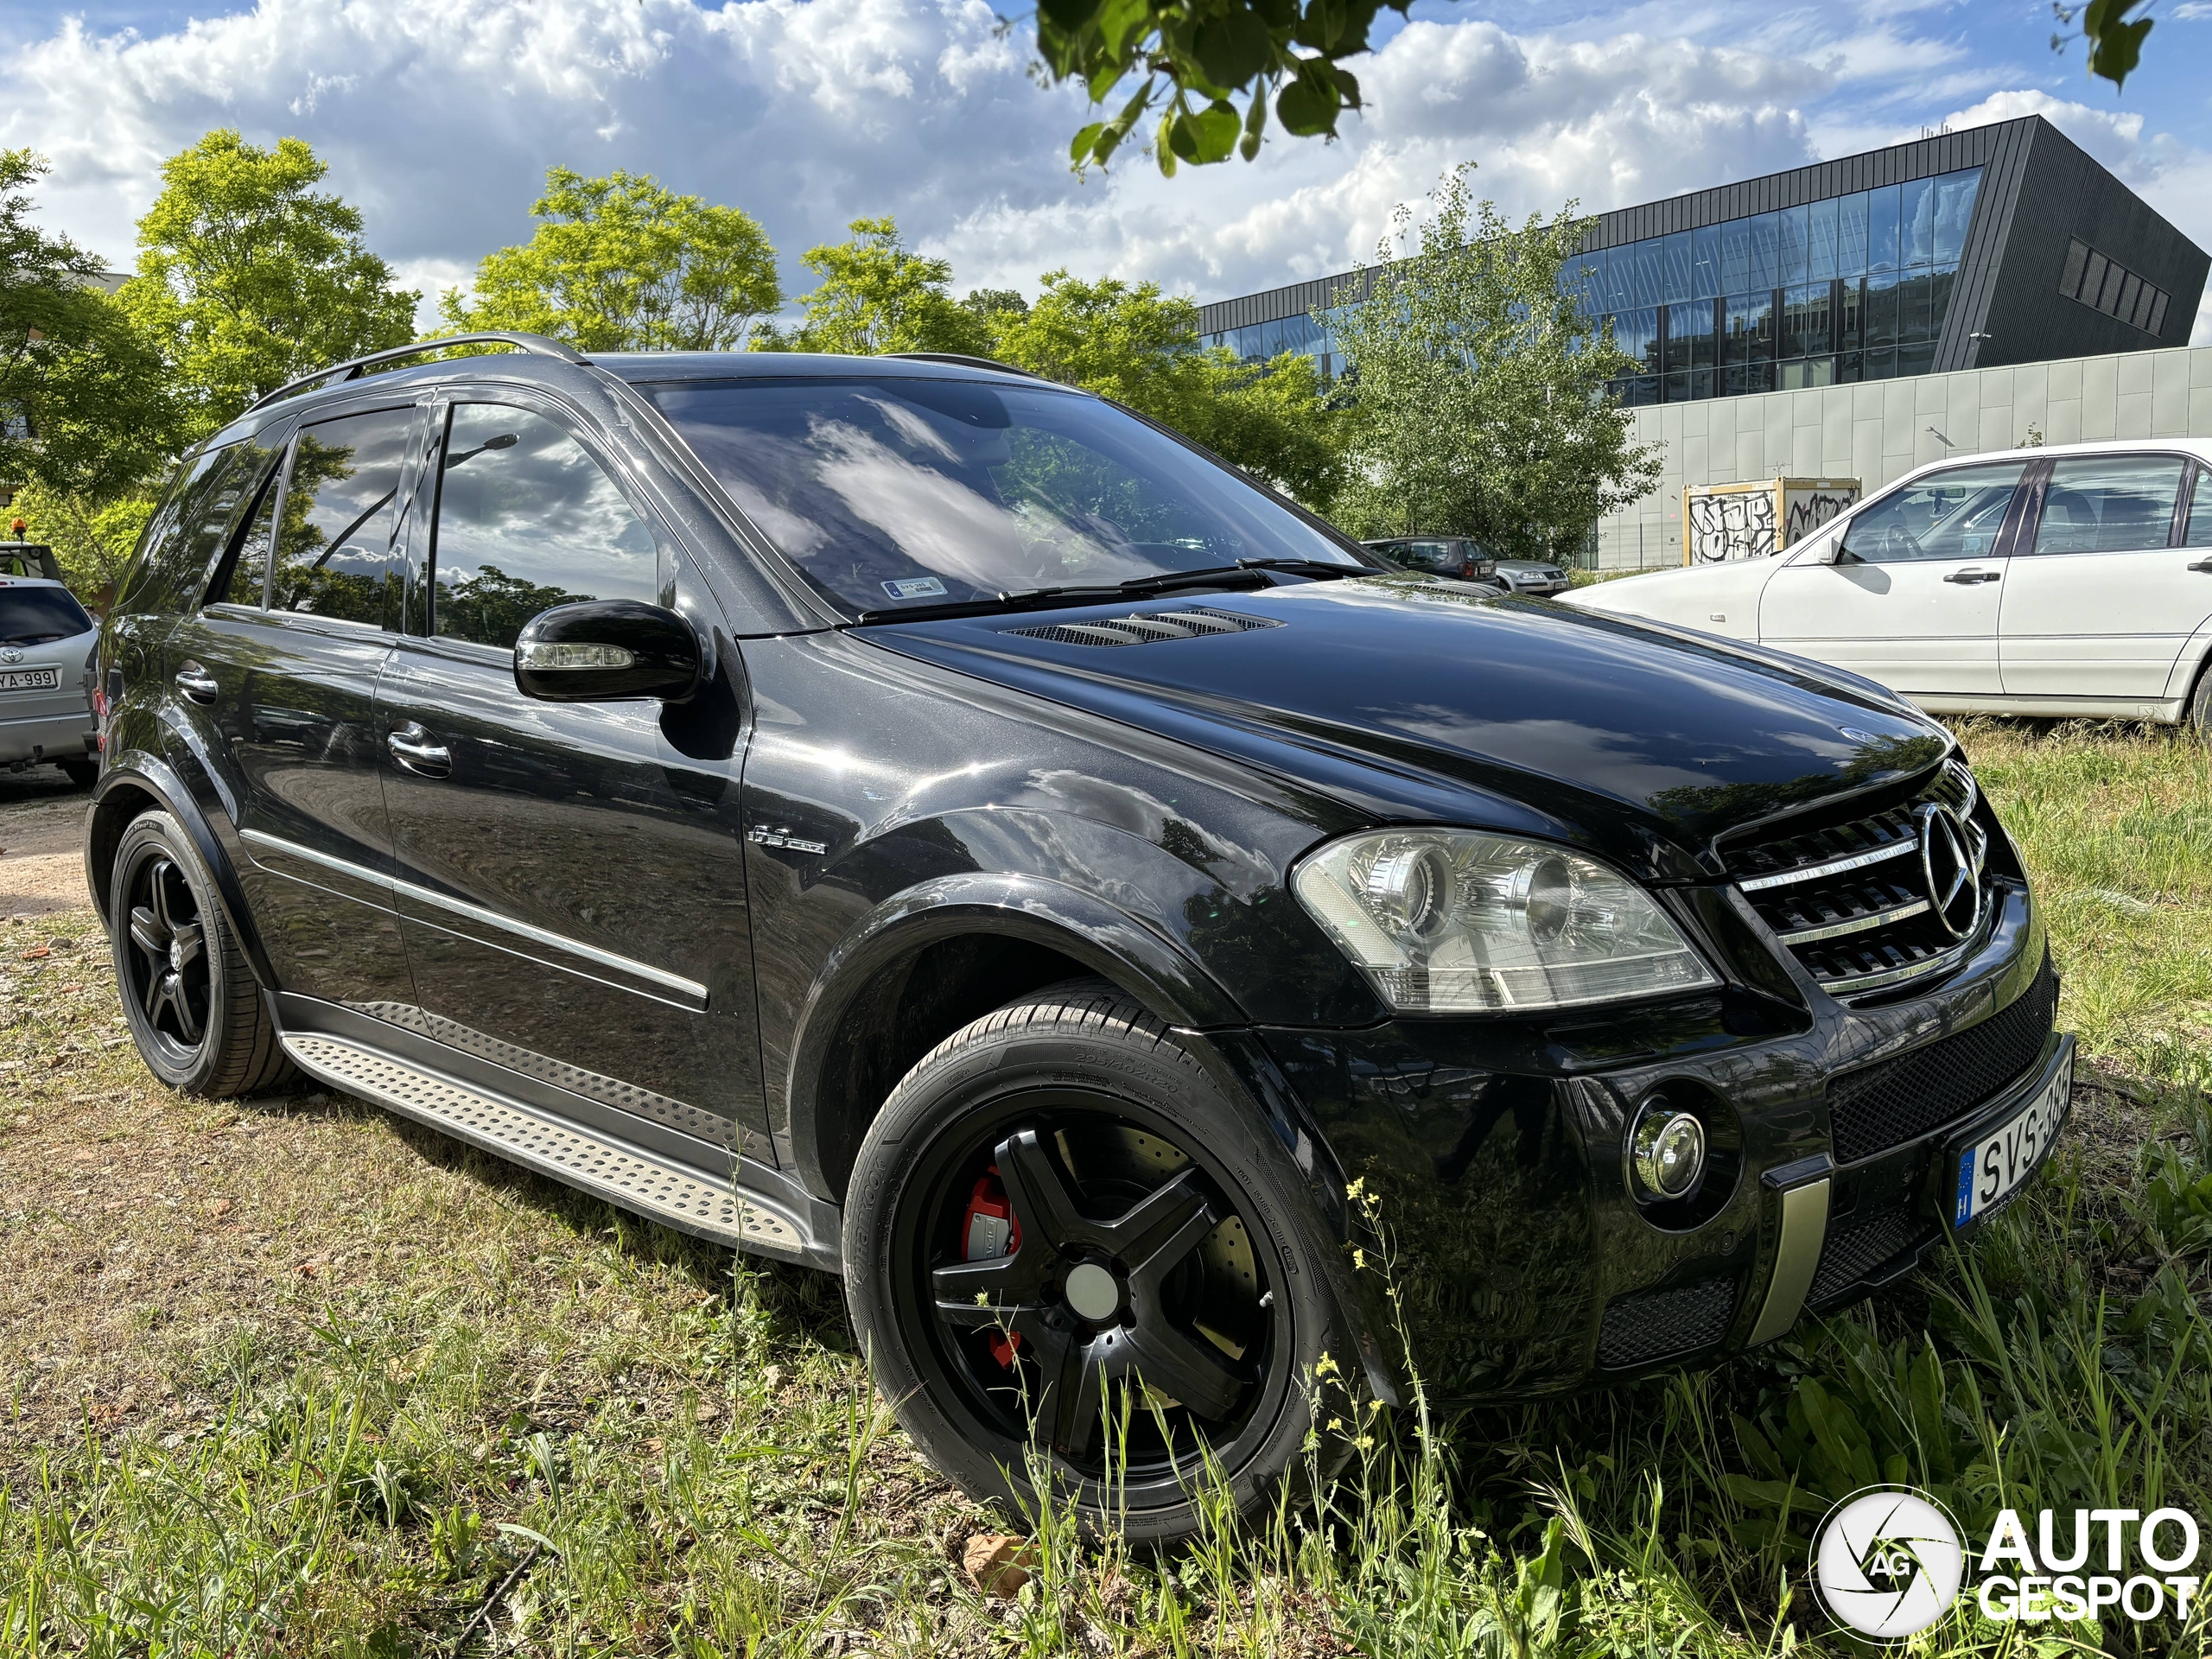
1119, 25
1308, 105
1256, 120
1215, 128
1233, 47
1070, 16
2115, 44
1163, 145
1347, 84
1084, 140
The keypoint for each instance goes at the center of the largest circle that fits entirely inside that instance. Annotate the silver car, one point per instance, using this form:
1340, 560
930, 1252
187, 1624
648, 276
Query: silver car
47, 647
1531, 576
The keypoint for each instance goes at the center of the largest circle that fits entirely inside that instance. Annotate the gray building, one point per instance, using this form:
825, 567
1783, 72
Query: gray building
2002, 245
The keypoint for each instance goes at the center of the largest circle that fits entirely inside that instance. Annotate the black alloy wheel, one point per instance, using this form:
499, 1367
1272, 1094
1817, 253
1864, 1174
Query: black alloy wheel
167, 972
1078, 1262
1129, 1320
188, 995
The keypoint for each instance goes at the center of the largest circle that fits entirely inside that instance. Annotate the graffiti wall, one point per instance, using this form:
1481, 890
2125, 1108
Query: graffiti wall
1737, 525
1807, 507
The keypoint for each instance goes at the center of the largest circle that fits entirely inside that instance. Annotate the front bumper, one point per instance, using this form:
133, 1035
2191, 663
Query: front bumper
1497, 1146
31, 739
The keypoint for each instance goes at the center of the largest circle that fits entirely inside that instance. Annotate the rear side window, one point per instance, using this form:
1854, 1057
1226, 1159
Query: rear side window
527, 520
249, 576
2198, 532
2110, 503
334, 552
37, 616
187, 530
1952, 515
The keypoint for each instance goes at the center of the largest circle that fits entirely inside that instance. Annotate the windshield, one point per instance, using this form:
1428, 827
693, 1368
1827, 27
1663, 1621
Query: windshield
896, 492
33, 616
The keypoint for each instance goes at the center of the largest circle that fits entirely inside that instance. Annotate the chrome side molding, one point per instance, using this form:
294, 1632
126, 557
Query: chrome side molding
1804, 1187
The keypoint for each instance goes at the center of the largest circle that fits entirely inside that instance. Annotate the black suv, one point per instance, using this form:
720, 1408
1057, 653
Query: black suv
908, 817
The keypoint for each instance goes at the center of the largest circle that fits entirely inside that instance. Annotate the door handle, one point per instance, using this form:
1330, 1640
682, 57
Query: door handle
1968, 578
198, 683
411, 746
2202, 566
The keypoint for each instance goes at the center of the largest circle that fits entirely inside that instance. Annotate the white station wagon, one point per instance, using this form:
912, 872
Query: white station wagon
2072, 580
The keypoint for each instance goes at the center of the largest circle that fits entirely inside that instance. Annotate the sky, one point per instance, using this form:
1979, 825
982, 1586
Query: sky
439, 117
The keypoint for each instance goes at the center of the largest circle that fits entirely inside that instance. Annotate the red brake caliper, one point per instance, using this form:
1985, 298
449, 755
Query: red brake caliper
993, 1232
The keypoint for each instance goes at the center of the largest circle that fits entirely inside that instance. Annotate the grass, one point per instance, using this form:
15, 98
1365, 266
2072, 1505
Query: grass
290, 1376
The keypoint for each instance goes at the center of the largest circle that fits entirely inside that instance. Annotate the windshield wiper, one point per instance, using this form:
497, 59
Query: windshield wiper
1023, 598
1312, 567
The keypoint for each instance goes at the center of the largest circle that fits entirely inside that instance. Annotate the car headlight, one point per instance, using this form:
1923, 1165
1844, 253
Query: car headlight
1446, 921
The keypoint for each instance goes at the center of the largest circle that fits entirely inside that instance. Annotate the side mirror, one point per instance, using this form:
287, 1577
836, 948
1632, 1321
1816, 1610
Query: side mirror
605, 649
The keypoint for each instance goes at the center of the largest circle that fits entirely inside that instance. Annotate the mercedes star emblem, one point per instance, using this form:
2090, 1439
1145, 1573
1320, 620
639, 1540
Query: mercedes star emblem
1947, 864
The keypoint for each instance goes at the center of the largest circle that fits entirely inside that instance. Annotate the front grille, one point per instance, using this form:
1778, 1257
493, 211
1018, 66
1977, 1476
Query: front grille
1659, 1324
1892, 1102
1850, 901
1147, 627
1871, 1249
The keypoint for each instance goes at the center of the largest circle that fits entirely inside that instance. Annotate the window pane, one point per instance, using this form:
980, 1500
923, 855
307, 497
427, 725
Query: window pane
2198, 531
1705, 262
1806, 372
1617, 261
1735, 256
1796, 247
2108, 504
1805, 322
1882, 228
1850, 314
1941, 284
1851, 235
1913, 295
1766, 251
1881, 314
2157, 324
1636, 333
1954, 196
38, 616
1689, 336
1917, 223
526, 521
1750, 325
2077, 260
1647, 287
1674, 257
334, 552
1822, 251
1951, 515
2130, 287
248, 579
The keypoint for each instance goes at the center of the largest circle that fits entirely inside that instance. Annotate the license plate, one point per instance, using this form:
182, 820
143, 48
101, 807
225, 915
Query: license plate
29, 679
1993, 1167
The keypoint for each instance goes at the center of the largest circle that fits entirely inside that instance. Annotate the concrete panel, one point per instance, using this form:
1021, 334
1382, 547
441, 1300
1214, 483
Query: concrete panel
2170, 396
2200, 368
2065, 422
2065, 379
2100, 387
2200, 412
1805, 408
1750, 456
2030, 384
1835, 429
1998, 429
1866, 452
2134, 371
2131, 417
1805, 454
1994, 385
1866, 401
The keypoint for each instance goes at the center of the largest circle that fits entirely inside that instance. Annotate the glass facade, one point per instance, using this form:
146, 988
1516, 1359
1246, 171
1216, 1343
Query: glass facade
1853, 287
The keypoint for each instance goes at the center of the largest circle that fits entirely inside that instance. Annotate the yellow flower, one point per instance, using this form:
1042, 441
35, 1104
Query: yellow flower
1356, 1188
1326, 1366
1359, 1260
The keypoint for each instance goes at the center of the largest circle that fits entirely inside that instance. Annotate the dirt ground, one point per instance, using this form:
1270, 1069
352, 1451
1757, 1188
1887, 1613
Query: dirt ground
41, 835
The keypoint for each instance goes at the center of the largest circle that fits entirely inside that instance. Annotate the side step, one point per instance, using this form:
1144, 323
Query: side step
688, 1200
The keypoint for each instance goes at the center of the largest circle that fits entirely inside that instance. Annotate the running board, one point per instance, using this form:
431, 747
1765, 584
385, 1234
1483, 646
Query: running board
690, 1201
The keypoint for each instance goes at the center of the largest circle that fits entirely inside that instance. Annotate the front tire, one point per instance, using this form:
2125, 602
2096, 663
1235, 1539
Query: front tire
1073, 1259
193, 1010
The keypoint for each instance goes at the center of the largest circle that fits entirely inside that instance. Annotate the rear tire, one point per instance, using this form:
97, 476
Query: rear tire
1155, 1228
2200, 706
193, 1010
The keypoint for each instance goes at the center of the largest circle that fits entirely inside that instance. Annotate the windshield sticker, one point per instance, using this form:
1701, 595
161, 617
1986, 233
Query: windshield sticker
915, 588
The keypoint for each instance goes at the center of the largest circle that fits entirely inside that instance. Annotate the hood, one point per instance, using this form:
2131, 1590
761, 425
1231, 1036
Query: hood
1431, 701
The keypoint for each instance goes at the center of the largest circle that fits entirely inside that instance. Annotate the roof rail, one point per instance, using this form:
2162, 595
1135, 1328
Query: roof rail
964, 360
352, 369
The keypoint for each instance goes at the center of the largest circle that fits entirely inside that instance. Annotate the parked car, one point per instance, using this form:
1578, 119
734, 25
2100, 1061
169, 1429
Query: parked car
1440, 555
908, 817
1533, 576
47, 648
2071, 580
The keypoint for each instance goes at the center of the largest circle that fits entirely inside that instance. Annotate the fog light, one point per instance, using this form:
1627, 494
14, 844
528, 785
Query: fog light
1669, 1154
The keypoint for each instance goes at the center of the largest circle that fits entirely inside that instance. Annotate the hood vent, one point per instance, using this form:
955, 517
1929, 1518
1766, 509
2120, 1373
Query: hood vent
1146, 629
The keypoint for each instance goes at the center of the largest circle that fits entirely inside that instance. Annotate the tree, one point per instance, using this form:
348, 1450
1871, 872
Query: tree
84, 409
878, 295
1197, 58
92, 539
1129, 342
621, 263
1480, 385
248, 278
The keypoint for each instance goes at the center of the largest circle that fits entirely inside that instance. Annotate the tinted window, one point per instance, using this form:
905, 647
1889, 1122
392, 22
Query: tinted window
895, 492
2108, 504
184, 534
249, 576
526, 521
334, 552
2199, 531
1953, 515
33, 616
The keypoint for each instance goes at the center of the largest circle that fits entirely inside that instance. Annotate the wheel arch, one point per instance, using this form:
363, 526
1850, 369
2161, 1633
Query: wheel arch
935, 956
137, 782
